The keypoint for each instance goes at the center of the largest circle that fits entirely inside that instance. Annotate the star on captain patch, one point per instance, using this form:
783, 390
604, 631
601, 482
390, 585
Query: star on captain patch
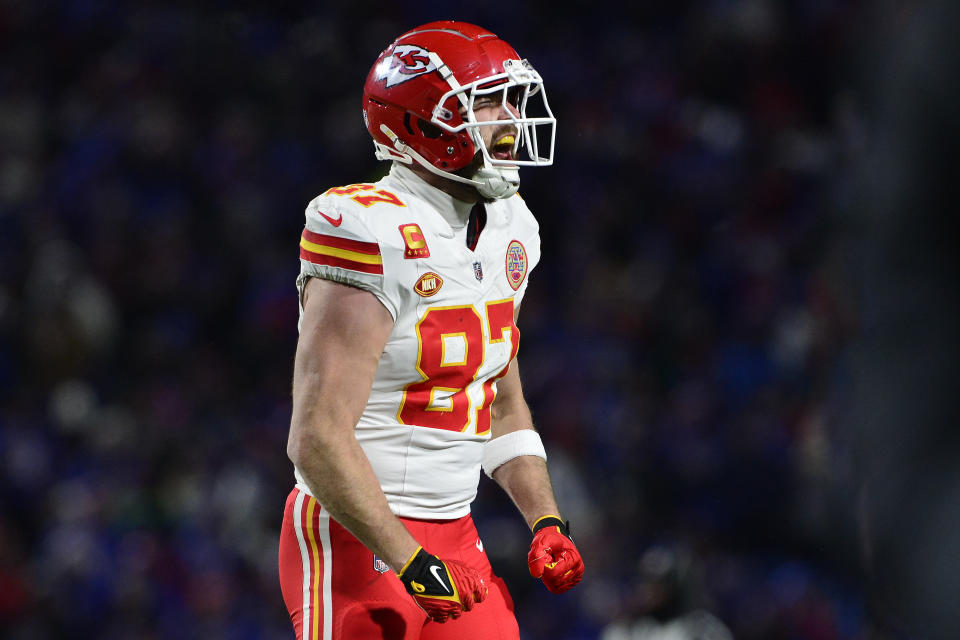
478, 271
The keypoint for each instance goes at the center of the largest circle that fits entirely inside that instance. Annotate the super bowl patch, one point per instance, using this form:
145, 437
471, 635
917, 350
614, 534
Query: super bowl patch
516, 264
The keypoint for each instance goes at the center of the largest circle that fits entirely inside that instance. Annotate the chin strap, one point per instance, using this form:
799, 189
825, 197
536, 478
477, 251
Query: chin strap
497, 182
490, 181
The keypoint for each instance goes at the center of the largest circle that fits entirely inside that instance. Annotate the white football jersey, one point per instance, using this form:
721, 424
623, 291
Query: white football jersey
428, 414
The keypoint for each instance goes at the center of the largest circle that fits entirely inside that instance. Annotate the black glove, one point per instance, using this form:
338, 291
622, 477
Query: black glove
441, 588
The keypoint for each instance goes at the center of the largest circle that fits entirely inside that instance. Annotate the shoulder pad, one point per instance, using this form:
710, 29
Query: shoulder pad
337, 236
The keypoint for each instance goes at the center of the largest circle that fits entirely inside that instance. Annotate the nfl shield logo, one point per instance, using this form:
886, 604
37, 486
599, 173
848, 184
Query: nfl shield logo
379, 565
478, 271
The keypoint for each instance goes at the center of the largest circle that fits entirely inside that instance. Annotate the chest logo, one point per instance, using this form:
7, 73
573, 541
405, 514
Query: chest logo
428, 284
415, 243
516, 264
478, 271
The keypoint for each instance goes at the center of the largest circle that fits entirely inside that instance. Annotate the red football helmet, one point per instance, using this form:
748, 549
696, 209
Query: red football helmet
418, 104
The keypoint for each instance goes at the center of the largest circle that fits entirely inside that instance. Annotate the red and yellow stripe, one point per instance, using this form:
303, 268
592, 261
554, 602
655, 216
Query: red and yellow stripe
316, 571
341, 252
312, 527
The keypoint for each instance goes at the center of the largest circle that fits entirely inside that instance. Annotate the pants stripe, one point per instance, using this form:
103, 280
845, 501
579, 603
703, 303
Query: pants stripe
305, 557
315, 557
324, 529
316, 554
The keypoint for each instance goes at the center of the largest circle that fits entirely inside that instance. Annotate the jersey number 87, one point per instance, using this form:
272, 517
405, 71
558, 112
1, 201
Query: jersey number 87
419, 406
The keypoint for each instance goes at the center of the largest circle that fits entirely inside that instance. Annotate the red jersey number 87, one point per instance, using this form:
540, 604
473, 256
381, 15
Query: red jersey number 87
440, 399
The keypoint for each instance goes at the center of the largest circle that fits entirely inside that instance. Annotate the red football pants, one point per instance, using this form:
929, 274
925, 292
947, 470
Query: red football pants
336, 589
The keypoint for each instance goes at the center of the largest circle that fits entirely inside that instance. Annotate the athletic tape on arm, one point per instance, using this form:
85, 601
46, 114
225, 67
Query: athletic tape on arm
523, 442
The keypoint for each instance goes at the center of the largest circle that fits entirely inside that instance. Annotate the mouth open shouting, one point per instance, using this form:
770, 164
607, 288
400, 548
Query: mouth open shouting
504, 147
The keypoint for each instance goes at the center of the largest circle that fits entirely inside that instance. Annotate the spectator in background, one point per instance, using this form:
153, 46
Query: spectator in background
667, 602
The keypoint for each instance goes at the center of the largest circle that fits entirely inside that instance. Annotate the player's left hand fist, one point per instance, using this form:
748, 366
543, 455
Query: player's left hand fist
553, 557
442, 588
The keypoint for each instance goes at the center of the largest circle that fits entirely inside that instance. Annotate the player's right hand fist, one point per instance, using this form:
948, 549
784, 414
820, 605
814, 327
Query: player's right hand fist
441, 588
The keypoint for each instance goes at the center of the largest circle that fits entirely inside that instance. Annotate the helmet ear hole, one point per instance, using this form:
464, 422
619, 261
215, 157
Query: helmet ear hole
428, 130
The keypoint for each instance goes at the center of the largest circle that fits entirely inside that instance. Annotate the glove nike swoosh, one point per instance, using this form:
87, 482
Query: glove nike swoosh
435, 571
462, 586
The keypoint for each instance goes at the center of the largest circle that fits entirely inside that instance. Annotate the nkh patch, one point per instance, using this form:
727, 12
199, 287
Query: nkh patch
516, 264
379, 565
414, 242
478, 271
428, 284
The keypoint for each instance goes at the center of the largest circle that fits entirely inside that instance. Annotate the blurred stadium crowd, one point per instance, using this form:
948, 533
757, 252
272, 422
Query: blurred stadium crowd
681, 337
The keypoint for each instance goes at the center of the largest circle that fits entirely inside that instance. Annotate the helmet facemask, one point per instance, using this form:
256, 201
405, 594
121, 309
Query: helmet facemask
520, 86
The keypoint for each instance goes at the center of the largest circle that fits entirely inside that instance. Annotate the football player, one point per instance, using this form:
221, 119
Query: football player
406, 383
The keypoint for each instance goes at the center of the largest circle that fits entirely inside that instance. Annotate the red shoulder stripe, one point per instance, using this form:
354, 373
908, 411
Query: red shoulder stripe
344, 263
370, 248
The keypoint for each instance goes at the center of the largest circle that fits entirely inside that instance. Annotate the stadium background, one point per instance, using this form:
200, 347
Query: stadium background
690, 339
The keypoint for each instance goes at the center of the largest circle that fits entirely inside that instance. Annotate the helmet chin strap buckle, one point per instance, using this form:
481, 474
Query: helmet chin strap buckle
497, 182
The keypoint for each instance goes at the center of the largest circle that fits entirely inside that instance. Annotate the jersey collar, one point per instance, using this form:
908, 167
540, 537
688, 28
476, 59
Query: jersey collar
454, 212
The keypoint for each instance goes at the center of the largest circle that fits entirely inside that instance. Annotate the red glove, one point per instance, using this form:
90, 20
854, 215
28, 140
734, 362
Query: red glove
553, 557
442, 588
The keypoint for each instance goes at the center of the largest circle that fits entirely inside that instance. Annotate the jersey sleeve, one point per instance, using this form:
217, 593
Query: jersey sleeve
337, 245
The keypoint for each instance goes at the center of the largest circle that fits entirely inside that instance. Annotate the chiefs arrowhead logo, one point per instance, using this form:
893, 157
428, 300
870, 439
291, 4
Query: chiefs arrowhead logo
406, 63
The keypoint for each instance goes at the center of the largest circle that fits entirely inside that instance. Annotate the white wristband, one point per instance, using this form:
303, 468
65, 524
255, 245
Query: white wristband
523, 442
